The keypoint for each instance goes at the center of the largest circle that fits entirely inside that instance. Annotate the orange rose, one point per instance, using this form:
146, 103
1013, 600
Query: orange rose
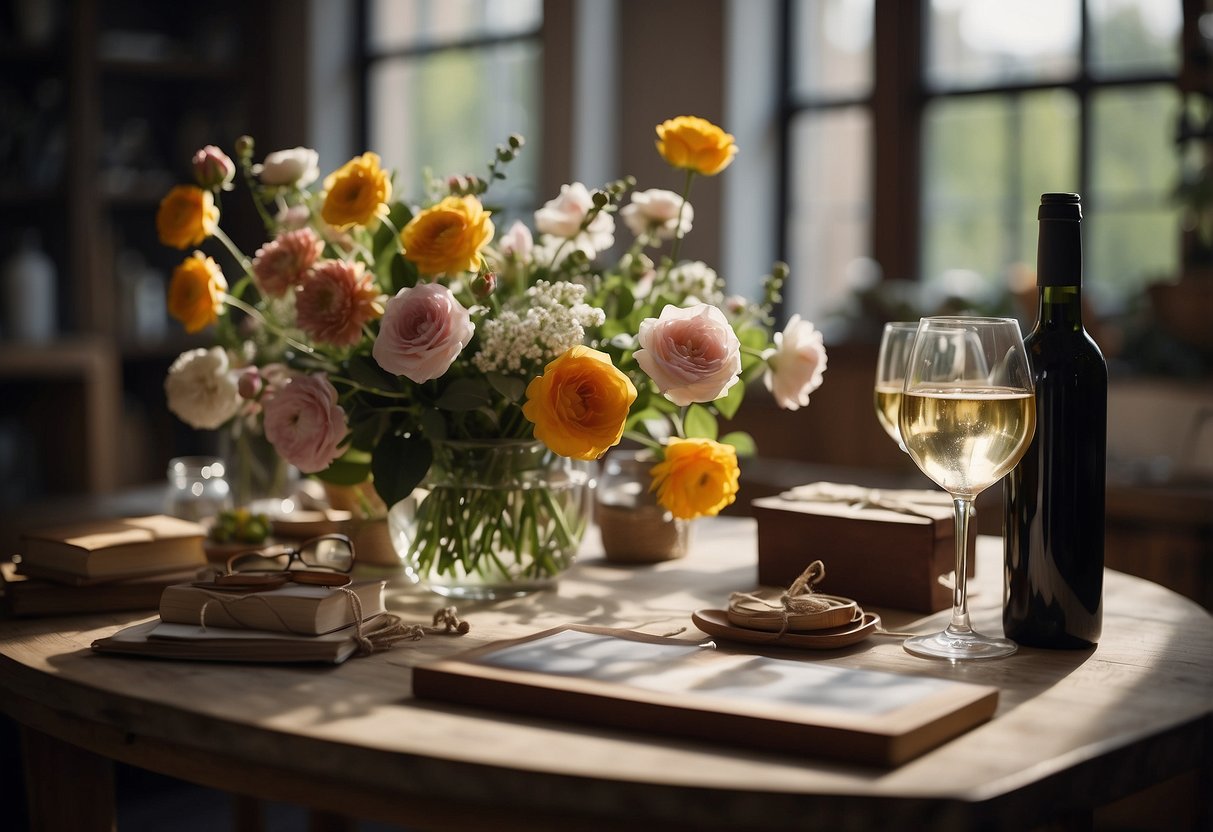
698, 477
580, 403
693, 143
356, 193
448, 237
195, 295
187, 216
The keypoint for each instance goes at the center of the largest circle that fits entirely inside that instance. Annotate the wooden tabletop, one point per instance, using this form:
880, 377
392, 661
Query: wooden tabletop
1074, 729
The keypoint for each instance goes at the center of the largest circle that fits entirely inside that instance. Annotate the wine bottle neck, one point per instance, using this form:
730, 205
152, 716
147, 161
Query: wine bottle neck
1059, 253
1060, 307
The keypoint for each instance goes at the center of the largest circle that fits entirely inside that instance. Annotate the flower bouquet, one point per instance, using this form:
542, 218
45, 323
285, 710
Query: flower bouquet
473, 376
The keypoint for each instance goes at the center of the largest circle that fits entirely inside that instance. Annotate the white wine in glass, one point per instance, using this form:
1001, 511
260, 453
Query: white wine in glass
968, 413
895, 343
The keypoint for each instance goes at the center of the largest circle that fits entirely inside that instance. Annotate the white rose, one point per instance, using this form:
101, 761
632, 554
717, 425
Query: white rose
655, 211
562, 217
795, 364
202, 389
299, 166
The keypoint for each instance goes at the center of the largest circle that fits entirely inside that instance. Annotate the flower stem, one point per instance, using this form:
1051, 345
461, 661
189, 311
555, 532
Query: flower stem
232, 300
678, 235
221, 236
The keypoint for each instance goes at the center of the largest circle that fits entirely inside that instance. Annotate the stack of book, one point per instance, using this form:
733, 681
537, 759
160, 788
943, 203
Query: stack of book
101, 565
292, 623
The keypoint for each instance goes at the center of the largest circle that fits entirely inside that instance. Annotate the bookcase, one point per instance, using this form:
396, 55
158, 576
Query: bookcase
104, 102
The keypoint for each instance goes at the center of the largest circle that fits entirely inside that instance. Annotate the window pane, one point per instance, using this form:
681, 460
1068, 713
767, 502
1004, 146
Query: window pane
448, 111
832, 48
1134, 36
409, 23
989, 42
986, 161
1133, 227
829, 217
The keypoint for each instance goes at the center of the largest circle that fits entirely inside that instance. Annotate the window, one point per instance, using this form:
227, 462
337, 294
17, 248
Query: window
1005, 101
446, 81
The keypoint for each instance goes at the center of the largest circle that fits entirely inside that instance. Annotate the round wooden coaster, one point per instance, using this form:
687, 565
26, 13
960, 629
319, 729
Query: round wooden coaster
716, 623
756, 615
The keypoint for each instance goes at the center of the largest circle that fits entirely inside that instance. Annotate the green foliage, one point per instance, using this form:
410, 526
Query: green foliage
398, 465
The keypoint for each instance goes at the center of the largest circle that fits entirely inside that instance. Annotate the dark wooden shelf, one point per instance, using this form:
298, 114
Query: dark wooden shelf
170, 69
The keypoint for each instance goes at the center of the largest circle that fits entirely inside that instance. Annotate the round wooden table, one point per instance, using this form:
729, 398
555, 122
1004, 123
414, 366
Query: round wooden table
1073, 730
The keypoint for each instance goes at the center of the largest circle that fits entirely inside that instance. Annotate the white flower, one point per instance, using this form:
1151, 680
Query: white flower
561, 218
202, 389
795, 364
299, 166
695, 280
543, 323
517, 242
655, 212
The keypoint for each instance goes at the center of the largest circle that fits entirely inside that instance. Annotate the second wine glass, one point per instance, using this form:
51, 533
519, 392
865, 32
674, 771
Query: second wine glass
967, 415
895, 343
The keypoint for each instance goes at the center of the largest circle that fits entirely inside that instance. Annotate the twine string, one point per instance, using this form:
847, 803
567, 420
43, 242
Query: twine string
799, 599
373, 635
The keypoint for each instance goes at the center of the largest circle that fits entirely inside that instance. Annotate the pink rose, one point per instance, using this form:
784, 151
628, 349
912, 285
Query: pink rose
304, 423
422, 332
795, 365
693, 354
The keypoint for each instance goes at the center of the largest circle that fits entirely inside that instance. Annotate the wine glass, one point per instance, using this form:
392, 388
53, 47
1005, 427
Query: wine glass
895, 343
967, 415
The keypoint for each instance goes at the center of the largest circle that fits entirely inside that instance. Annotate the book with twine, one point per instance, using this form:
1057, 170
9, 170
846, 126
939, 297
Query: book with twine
633, 681
294, 608
111, 550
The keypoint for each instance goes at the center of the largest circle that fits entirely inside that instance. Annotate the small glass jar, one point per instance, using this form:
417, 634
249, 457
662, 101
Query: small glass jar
634, 527
197, 489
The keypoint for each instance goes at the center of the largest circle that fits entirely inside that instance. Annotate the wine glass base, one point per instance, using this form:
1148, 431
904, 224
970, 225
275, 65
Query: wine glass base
959, 646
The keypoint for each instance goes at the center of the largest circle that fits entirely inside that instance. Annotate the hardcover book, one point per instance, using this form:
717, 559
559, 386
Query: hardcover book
294, 608
157, 639
108, 550
639, 682
21, 595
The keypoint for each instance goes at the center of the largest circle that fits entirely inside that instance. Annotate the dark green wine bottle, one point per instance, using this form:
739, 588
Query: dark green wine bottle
1054, 498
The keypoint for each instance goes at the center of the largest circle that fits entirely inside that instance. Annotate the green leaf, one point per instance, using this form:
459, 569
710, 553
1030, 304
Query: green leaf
511, 387
642, 415
385, 238
741, 441
433, 424
367, 372
398, 465
728, 404
465, 394
699, 423
345, 472
403, 274
365, 433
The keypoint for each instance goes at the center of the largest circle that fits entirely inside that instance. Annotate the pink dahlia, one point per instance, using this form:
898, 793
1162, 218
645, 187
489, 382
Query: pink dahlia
283, 262
335, 299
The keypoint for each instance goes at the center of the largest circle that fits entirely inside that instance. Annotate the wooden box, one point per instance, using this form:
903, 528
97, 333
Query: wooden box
882, 556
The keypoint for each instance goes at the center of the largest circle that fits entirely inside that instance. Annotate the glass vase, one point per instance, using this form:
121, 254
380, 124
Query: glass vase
260, 479
634, 527
493, 519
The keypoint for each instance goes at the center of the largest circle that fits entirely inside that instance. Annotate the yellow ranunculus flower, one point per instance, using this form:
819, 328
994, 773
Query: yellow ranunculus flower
187, 216
195, 294
580, 403
698, 477
448, 237
356, 193
693, 143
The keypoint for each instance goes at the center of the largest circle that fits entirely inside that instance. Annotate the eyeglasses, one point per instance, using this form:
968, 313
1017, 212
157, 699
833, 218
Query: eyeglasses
326, 560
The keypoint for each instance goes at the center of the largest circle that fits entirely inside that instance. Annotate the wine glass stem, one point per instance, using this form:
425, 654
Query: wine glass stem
960, 599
